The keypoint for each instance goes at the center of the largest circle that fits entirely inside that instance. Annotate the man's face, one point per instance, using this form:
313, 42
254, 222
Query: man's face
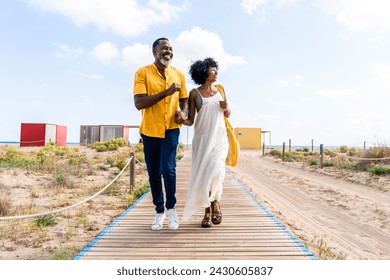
163, 53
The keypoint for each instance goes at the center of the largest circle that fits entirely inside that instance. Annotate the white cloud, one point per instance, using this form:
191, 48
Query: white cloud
359, 14
285, 3
308, 100
65, 52
336, 94
296, 81
105, 52
137, 55
189, 46
123, 17
252, 6
381, 76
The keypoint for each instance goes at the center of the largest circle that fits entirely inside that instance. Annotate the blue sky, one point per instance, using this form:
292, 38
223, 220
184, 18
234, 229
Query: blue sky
317, 69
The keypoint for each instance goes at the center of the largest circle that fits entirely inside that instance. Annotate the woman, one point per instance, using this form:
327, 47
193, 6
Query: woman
210, 142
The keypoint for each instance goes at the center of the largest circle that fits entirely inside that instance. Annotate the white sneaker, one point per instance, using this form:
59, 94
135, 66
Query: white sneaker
173, 220
158, 221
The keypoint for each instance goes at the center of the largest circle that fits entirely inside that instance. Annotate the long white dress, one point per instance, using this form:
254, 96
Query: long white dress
209, 150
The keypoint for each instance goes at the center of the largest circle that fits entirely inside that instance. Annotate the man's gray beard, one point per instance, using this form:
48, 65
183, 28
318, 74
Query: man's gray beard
165, 62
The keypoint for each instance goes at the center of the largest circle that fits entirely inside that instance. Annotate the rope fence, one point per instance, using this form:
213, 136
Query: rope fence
130, 162
341, 155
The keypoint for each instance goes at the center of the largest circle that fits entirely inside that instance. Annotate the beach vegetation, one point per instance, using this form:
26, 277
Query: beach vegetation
65, 175
379, 169
66, 253
288, 159
140, 157
136, 193
46, 220
5, 205
328, 163
276, 153
179, 156
109, 145
343, 149
374, 161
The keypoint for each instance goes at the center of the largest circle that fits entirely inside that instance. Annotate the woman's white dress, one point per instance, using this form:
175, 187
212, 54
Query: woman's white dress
209, 150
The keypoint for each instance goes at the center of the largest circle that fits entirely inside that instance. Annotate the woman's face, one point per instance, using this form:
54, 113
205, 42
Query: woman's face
212, 74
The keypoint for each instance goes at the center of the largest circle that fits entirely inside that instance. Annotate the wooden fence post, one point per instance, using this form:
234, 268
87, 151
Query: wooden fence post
263, 148
132, 171
284, 148
322, 155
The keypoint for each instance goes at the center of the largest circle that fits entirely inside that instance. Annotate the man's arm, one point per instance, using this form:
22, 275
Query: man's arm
143, 101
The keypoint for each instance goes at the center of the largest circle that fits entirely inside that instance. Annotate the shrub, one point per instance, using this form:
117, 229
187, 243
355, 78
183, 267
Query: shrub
328, 163
380, 152
276, 153
379, 169
100, 148
140, 157
343, 149
46, 220
121, 164
110, 145
111, 161
288, 159
5, 206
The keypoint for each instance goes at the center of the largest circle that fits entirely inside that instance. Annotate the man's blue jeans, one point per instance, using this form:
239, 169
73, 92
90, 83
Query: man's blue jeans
160, 158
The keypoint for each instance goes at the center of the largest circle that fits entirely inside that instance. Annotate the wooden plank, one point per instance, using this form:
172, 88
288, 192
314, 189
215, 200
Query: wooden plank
246, 232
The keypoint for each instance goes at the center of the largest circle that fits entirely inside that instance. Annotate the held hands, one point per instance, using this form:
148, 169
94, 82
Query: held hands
180, 117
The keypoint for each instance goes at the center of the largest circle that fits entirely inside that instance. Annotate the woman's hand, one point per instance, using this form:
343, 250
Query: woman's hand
225, 108
180, 117
223, 105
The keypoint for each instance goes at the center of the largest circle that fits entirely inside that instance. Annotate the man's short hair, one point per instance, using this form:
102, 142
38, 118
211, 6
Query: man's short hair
155, 43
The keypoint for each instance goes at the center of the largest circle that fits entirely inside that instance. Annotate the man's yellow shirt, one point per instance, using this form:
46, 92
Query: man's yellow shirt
159, 117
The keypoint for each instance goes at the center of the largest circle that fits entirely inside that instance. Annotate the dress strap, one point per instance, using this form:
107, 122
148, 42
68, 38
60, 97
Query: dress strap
198, 101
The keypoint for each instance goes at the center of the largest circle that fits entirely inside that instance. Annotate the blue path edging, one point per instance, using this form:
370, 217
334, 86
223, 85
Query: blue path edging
100, 236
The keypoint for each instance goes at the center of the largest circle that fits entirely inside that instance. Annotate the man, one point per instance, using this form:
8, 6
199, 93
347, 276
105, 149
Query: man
159, 90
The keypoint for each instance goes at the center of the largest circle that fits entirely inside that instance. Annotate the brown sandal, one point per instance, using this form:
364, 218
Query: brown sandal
216, 217
206, 222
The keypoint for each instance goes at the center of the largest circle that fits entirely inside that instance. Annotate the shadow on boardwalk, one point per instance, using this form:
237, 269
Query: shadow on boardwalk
248, 231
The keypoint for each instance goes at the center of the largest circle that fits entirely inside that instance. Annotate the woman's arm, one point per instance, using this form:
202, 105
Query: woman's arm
191, 108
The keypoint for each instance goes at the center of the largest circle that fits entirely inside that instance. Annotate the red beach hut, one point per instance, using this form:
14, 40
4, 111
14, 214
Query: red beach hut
40, 134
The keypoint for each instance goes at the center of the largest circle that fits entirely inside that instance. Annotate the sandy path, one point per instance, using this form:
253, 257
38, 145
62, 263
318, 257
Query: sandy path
352, 219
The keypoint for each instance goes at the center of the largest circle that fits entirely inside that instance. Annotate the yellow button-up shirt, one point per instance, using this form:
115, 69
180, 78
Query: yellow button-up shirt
159, 117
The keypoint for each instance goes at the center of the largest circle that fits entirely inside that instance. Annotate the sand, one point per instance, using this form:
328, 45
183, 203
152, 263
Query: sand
336, 214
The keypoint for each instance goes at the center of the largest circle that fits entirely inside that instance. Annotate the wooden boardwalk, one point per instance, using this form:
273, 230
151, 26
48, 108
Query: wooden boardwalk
248, 231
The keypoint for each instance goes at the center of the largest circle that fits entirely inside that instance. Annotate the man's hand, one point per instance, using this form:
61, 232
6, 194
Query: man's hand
173, 88
180, 117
